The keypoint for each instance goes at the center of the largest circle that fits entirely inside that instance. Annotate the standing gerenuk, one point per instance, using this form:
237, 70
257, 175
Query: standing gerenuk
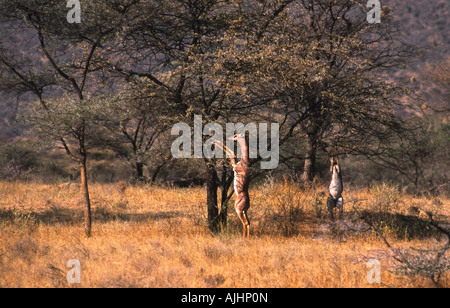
335, 199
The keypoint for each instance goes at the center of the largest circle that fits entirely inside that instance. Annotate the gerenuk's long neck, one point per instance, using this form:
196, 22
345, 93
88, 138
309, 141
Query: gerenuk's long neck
244, 151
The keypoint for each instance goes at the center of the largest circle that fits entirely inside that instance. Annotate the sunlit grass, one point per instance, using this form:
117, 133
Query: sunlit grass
145, 236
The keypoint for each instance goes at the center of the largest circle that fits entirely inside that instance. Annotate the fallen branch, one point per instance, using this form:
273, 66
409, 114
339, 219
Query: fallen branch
428, 263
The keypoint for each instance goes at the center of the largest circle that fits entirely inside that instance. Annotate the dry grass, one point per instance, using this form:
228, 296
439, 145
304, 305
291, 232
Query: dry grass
156, 237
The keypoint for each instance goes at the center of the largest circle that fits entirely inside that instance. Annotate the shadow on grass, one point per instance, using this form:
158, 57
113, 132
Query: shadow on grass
402, 227
407, 227
54, 216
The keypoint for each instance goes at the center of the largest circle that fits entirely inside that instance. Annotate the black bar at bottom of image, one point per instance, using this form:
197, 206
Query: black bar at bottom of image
225, 297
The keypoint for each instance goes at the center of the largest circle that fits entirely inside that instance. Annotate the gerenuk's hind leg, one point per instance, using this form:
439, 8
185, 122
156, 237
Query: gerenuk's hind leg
245, 222
331, 203
340, 206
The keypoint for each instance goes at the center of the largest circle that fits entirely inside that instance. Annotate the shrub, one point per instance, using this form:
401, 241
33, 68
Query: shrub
283, 207
17, 160
386, 198
384, 211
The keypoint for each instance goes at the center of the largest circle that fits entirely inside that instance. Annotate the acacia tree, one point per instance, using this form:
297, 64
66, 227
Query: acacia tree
66, 53
137, 123
324, 69
172, 56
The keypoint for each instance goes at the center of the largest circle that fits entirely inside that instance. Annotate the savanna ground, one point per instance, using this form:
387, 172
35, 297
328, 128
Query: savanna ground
148, 236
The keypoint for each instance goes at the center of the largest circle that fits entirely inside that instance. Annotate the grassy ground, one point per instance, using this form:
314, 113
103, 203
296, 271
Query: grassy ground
147, 236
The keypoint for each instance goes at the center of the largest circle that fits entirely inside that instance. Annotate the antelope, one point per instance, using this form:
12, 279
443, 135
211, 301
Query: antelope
335, 199
241, 181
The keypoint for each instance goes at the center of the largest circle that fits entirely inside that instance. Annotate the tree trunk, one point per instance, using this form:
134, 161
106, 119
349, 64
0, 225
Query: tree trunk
211, 197
87, 201
155, 174
226, 183
309, 169
139, 171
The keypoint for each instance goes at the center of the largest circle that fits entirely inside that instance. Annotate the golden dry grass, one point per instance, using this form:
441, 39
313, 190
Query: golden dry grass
147, 236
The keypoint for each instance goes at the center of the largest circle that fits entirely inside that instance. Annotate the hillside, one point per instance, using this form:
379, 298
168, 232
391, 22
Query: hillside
426, 24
